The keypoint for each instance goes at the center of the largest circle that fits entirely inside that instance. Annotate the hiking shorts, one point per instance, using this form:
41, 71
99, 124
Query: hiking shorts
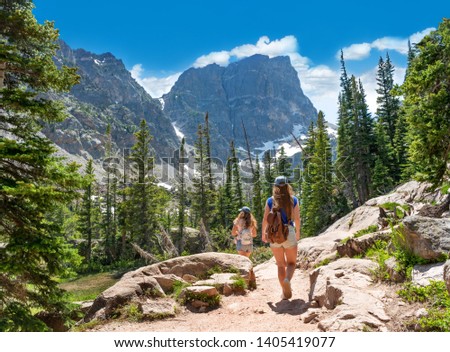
244, 247
291, 241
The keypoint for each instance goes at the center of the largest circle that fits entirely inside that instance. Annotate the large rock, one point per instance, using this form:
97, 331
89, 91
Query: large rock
423, 274
429, 238
345, 287
314, 250
358, 245
447, 275
155, 280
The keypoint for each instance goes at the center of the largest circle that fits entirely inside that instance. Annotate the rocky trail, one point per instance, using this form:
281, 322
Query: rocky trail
259, 310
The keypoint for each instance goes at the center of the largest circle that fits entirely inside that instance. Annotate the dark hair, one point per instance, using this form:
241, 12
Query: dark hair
283, 199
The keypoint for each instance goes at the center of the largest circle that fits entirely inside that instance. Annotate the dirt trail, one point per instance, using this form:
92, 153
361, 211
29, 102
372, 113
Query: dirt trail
259, 310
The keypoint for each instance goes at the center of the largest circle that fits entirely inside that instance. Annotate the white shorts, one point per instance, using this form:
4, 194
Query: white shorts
291, 240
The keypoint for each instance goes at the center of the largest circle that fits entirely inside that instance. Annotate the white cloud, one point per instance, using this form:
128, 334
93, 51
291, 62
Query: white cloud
154, 86
221, 58
355, 51
417, 37
362, 51
264, 46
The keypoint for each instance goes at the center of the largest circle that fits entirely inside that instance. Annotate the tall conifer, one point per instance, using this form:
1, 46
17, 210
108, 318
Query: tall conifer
34, 182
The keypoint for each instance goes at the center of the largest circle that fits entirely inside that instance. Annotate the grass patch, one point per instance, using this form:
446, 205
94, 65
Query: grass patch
87, 326
261, 255
213, 301
216, 269
239, 283
379, 254
326, 261
437, 301
400, 209
370, 229
178, 287
88, 287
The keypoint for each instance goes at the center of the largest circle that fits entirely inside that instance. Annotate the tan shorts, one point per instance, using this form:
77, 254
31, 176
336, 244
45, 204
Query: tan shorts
291, 241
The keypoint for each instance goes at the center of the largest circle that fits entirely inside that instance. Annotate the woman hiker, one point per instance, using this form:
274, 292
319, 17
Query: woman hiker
244, 229
285, 253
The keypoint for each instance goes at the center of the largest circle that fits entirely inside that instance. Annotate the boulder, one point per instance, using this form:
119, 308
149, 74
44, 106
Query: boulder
428, 238
157, 309
224, 282
394, 274
314, 250
156, 280
423, 274
447, 275
358, 245
345, 288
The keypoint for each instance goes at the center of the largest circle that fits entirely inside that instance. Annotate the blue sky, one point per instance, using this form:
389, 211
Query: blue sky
158, 40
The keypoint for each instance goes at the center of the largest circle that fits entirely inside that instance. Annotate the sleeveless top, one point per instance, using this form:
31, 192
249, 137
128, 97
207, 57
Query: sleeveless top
284, 217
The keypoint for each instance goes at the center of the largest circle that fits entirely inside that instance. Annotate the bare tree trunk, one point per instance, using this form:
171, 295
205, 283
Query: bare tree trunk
2, 73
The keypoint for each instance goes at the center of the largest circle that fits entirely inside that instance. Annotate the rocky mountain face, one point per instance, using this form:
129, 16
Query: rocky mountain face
262, 93
107, 94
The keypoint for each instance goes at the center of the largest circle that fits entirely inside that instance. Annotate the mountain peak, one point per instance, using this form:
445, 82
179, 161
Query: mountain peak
263, 92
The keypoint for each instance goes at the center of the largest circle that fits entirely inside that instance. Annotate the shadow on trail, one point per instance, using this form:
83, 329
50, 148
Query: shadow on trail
294, 307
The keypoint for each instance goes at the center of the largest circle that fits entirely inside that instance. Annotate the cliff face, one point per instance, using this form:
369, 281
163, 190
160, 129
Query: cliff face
263, 93
107, 94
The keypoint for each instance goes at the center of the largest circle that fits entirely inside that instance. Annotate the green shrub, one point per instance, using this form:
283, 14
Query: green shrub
326, 261
239, 283
379, 253
178, 287
213, 301
437, 301
133, 312
370, 229
261, 255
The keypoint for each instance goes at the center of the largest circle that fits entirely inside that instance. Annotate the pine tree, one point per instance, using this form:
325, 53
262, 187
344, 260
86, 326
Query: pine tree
388, 115
34, 182
356, 140
146, 202
306, 199
426, 107
363, 144
284, 165
257, 194
208, 158
382, 181
238, 200
228, 194
109, 224
181, 193
200, 184
316, 197
269, 177
345, 171
322, 186
86, 220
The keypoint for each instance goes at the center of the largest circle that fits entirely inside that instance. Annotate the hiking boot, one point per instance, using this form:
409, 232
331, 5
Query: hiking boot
287, 291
